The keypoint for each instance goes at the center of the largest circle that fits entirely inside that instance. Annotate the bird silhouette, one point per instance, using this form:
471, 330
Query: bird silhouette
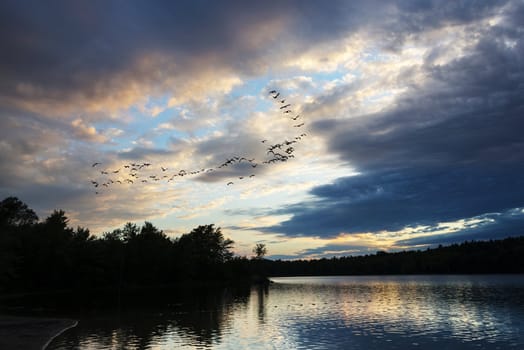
276, 153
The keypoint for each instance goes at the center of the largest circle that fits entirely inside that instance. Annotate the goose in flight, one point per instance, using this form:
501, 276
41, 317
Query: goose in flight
229, 183
95, 164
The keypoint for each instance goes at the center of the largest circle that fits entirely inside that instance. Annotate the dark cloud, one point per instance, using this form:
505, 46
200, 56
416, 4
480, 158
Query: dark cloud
448, 150
392, 200
61, 50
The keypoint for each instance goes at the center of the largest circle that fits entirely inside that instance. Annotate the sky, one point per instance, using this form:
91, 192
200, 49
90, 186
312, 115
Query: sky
412, 119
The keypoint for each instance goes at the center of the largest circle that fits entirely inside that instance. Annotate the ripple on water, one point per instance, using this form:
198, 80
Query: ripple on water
417, 312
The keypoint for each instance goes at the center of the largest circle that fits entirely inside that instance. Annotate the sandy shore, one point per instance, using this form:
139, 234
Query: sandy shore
30, 333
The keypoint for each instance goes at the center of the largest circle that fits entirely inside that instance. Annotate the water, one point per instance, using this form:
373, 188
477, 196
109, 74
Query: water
393, 312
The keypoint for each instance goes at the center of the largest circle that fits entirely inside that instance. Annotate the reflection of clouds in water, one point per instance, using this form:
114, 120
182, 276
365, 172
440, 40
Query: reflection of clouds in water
427, 311
379, 312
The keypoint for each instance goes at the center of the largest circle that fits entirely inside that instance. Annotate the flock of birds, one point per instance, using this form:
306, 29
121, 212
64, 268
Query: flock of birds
145, 172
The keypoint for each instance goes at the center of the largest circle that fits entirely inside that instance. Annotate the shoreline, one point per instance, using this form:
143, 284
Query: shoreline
20, 332
73, 325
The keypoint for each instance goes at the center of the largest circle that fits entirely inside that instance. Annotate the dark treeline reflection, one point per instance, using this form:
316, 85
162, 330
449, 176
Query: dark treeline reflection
199, 317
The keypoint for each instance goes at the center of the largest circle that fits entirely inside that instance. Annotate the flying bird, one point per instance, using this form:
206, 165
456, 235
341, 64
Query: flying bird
229, 183
95, 164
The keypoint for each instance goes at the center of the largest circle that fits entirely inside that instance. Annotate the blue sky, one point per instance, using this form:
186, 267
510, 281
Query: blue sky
412, 110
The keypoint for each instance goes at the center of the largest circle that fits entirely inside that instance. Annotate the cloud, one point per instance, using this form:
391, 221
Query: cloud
422, 99
489, 226
104, 56
448, 149
86, 132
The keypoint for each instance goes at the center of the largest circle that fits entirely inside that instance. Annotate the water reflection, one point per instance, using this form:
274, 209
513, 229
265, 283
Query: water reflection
451, 312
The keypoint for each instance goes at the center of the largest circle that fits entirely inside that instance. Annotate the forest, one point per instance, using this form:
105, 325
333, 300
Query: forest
49, 255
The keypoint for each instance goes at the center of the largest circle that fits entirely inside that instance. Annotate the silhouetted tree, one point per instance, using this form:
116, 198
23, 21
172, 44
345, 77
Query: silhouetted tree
14, 212
16, 222
203, 251
147, 254
49, 255
260, 250
130, 231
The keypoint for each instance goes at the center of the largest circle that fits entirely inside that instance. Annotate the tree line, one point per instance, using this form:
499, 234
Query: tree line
49, 255
470, 257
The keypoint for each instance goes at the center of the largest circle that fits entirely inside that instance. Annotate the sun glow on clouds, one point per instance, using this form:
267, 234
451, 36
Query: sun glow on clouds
365, 83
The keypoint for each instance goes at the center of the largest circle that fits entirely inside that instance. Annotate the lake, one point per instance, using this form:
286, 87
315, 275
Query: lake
348, 312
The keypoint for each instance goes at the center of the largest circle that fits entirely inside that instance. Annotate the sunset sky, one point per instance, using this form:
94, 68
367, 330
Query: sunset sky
413, 113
